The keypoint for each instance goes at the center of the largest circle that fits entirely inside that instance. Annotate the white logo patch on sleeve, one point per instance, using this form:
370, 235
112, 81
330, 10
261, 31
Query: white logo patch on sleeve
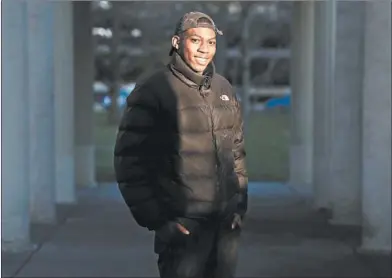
224, 97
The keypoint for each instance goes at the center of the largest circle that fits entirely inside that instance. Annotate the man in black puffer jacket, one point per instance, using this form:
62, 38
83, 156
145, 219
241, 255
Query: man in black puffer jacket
180, 158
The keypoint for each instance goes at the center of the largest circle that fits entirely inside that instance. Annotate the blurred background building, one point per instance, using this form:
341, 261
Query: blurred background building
253, 54
314, 80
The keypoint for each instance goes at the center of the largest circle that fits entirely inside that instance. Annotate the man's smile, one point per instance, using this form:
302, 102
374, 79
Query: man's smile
201, 61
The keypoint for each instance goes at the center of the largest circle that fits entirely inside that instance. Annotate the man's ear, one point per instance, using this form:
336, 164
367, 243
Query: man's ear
176, 42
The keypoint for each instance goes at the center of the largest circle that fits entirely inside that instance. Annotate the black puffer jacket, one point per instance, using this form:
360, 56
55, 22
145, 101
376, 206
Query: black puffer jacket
180, 147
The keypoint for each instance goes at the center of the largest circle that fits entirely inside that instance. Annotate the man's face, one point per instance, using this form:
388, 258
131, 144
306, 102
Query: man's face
198, 47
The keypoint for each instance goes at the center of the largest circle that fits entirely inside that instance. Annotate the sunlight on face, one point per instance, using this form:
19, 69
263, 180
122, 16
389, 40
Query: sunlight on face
198, 48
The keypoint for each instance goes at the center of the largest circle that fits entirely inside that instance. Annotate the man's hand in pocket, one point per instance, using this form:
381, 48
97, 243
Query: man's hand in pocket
237, 221
182, 229
170, 230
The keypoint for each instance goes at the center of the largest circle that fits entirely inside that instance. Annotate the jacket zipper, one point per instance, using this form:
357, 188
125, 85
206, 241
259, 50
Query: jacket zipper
217, 185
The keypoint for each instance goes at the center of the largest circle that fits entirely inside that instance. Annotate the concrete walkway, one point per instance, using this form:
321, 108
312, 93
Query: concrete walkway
99, 238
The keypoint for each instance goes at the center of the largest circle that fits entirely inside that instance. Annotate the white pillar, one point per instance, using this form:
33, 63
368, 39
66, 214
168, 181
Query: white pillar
41, 99
301, 148
64, 103
338, 67
84, 99
376, 130
15, 218
324, 54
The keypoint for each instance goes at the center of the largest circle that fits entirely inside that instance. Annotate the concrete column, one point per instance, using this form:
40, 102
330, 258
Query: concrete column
64, 103
302, 48
376, 129
41, 99
337, 132
84, 99
15, 218
324, 54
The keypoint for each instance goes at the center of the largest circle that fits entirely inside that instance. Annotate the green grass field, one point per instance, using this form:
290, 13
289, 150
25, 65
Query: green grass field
267, 146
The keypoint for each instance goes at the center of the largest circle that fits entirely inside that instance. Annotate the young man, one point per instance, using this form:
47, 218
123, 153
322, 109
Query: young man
179, 158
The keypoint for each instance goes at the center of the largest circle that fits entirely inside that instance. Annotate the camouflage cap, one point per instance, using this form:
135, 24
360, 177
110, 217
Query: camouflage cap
195, 20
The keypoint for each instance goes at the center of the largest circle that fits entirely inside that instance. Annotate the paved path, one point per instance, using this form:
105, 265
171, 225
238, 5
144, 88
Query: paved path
98, 238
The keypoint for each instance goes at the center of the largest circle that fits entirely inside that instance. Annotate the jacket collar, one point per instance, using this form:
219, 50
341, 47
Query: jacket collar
188, 76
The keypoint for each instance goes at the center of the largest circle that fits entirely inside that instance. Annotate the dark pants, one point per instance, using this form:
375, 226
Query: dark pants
210, 251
